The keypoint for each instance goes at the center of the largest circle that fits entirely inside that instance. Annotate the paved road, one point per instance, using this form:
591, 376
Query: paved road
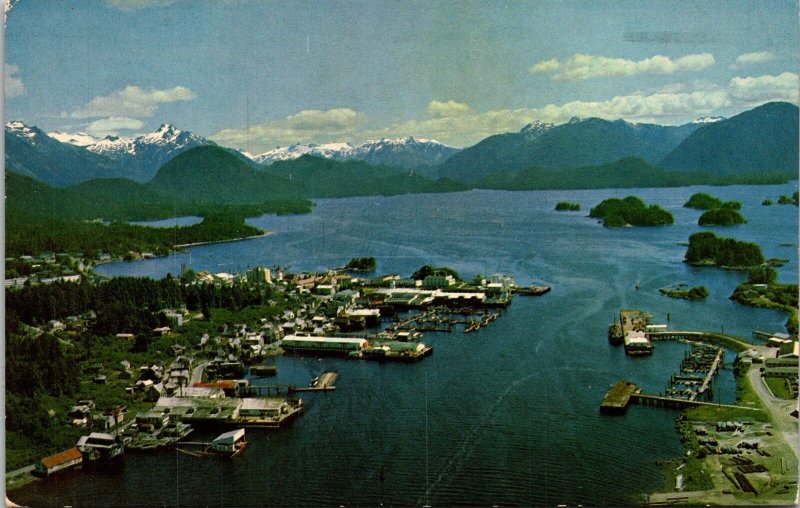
20, 471
197, 373
784, 423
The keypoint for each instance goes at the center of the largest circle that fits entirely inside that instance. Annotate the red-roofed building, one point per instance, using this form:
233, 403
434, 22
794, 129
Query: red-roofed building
58, 461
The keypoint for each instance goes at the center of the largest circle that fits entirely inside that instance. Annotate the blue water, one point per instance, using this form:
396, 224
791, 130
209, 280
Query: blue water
188, 220
506, 415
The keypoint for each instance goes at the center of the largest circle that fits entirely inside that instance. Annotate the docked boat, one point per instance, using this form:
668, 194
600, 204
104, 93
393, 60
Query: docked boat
533, 290
230, 443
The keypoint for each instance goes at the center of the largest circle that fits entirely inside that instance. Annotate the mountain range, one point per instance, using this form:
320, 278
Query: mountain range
763, 139
406, 153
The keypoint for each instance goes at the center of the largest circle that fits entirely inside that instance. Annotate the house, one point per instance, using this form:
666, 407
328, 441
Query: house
59, 461
438, 281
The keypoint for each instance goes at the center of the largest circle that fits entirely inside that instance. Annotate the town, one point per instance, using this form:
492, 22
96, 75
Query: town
209, 360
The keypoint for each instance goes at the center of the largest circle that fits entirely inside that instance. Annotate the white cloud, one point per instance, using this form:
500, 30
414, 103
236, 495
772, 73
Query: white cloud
112, 126
451, 108
673, 104
755, 90
582, 66
756, 57
305, 126
131, 5
13, 84
132, 101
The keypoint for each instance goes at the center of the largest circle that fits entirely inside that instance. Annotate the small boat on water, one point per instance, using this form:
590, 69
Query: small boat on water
533, 290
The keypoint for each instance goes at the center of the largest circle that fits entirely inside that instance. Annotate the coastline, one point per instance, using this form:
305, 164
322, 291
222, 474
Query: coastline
195, 244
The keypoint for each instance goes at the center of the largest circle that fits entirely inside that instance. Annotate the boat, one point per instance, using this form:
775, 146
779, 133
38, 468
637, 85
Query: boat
533, 290
230, 443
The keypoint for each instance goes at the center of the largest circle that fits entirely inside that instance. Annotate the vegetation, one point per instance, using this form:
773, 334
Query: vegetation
762, 274
566, 206
773, 296
626, 173
27, 235
779, 387
707, 249
786, 200
47, 372
721, 217
365, 264
767, 202
695, 293
630, 211
703, 201
426, 270
320, 177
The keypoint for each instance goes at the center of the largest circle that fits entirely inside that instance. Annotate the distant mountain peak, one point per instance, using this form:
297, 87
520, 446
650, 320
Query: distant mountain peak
536, 127
406, 152
708, 119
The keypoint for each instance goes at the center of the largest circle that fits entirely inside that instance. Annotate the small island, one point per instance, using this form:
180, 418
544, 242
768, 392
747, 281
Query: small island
786, 200
721, 217
631, 211
703, 201
766, 202
684, 292
566, 206
365, 264
706, 249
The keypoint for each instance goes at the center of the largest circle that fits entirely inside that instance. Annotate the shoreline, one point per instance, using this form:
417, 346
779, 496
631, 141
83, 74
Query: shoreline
195, 244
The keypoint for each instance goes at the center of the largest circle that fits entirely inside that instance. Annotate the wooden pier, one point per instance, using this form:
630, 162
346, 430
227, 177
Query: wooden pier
624, 393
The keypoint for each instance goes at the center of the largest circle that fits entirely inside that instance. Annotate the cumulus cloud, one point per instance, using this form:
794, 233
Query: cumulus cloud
461, 126
755, 90
112, 126
132, 5
132, 101
451, 108
582, 66
302, 127
13, 84
756, 57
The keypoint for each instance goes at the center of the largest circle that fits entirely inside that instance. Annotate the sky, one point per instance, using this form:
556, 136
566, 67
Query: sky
260, 74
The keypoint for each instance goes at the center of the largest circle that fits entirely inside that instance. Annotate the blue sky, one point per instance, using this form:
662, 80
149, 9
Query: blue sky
260, 74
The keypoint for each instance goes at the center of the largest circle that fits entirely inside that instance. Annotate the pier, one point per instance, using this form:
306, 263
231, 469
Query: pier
624, 393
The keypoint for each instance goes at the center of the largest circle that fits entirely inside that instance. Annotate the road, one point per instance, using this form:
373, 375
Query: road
197, 373
779, 409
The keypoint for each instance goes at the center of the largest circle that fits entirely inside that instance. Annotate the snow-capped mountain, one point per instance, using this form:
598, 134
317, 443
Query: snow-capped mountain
708, 119
537, 128
407, 152
77, 139
31, 152
144, 155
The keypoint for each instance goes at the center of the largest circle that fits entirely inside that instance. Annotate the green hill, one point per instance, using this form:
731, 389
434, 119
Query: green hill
762, 139
210, 174
319, 177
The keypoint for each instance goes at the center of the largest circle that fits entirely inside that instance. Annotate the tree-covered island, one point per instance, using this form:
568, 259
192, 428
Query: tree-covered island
706, 249
631, 211
363, 264
685, 292
567, 206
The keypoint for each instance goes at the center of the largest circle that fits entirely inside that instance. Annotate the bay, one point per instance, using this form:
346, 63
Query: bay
507, 415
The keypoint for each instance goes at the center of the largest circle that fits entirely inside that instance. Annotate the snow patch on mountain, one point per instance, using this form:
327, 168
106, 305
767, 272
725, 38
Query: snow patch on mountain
77, 139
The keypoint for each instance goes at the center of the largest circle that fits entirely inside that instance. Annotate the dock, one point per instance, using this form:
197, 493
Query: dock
618, 398
322, 383
624, 393
634, 332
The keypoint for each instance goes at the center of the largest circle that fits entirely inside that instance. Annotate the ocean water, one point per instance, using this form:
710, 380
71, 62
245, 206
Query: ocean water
507, 415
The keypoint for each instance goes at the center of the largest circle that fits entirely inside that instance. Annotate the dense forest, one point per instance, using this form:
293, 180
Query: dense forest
566, 206
623, 174
707, 248
630, 211
721, 217
703, 201
32, 235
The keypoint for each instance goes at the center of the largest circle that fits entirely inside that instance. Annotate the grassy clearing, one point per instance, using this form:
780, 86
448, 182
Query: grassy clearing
779, 387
